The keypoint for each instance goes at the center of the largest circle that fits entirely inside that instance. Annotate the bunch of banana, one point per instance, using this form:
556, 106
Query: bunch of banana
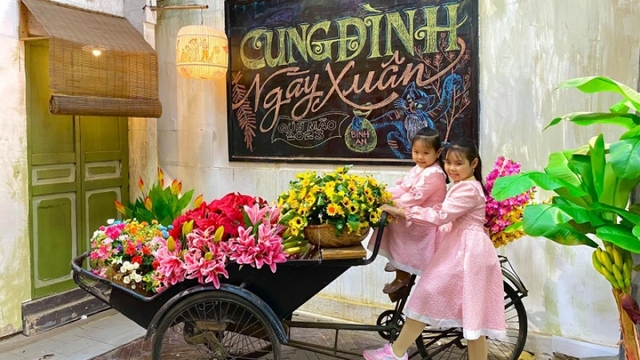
615, 264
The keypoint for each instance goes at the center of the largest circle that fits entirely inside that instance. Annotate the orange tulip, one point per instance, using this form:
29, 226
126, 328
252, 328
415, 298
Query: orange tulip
197, 201
141, 184
174, 187
147, 203
160, 177
120, 207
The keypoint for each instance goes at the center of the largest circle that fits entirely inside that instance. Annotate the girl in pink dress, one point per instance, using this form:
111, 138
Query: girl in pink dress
462, 285
409, 248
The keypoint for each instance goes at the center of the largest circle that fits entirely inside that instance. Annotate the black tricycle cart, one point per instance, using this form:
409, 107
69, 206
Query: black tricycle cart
250, 315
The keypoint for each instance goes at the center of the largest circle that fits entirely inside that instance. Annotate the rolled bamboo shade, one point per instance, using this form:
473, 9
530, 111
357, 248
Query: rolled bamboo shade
98, 64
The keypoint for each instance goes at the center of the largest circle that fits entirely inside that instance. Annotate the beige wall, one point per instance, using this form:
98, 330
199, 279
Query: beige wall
15, 285
527, 48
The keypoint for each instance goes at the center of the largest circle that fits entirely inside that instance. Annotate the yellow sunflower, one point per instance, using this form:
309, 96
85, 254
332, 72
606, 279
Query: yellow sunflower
334, 210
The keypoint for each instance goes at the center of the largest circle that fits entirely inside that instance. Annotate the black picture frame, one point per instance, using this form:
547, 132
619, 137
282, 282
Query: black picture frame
343, 81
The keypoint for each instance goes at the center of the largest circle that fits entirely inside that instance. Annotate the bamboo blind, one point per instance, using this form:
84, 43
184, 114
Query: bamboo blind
121, 81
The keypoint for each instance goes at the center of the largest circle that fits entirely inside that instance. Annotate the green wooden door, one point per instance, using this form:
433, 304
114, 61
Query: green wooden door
78, 166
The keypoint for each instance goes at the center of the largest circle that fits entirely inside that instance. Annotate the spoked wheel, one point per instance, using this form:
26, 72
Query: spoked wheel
440, 343
385, 318
215, 325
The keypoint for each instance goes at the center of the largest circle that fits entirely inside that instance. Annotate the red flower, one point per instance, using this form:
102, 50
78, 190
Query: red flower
130, 250
137, 260
155, 264
146, 251
225, 212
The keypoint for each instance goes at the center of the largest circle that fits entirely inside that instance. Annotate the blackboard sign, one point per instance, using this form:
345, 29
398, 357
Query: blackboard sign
346, 81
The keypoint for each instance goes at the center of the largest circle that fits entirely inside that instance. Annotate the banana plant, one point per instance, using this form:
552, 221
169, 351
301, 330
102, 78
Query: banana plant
593, 186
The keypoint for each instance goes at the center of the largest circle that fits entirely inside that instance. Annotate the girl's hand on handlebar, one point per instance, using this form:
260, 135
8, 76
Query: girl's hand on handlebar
392, 210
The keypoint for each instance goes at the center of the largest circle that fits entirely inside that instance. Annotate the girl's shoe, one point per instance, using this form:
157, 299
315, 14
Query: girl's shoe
395, 285
389, 268
383, 353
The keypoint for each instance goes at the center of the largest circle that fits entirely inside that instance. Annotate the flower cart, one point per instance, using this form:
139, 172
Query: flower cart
249, 315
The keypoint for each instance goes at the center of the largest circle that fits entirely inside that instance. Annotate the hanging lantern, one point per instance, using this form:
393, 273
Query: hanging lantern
202, 52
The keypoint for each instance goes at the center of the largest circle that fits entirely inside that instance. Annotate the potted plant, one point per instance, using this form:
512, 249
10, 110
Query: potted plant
593, 186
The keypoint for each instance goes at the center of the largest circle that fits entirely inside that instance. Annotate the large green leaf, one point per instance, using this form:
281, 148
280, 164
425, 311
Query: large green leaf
594, 84
625, 158
509, 186
635, 132
621, 106
558, 166
598, 162
623, 118
550, 221
621, 236
582, 215
627, 215
616, 191
581, 166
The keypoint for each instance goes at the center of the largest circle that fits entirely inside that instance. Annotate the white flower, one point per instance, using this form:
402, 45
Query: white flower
110, 221
126, 279
123, 237
135, 266
98, 233
136, 277
126, 267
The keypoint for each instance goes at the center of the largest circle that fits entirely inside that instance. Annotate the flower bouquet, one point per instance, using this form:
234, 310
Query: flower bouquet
504, 218
205, 252
123, 252
347, 204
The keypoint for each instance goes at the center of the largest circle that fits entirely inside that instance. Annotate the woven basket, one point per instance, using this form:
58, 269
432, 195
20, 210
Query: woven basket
325, 235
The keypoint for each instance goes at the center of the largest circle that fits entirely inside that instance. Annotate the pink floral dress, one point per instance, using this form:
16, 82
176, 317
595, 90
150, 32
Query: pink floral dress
409, 248
462, 285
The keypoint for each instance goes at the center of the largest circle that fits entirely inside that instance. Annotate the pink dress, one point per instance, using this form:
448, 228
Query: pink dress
409, 248
462, 285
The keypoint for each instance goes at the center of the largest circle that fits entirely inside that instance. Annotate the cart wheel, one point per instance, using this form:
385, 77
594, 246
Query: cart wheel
440, 343
385, 319
215, 325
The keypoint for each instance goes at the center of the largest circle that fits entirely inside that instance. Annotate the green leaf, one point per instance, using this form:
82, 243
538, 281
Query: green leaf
623, 118
550, 221
594, 84
621, 106
581, 166
598, 162
518, 225
627, 215
636, 231
620, 236
509, 186
625, 158
616, 190
558, 165
635, 132
183, 202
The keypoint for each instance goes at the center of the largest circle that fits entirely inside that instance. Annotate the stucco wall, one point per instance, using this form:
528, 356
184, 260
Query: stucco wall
15, 286
527, 48
14, 238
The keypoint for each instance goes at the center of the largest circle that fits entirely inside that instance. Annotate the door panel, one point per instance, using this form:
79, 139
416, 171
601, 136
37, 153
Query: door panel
105, 159
53, 160
78, 165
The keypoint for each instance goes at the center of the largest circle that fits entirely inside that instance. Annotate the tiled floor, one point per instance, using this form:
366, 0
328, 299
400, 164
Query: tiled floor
81, 340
